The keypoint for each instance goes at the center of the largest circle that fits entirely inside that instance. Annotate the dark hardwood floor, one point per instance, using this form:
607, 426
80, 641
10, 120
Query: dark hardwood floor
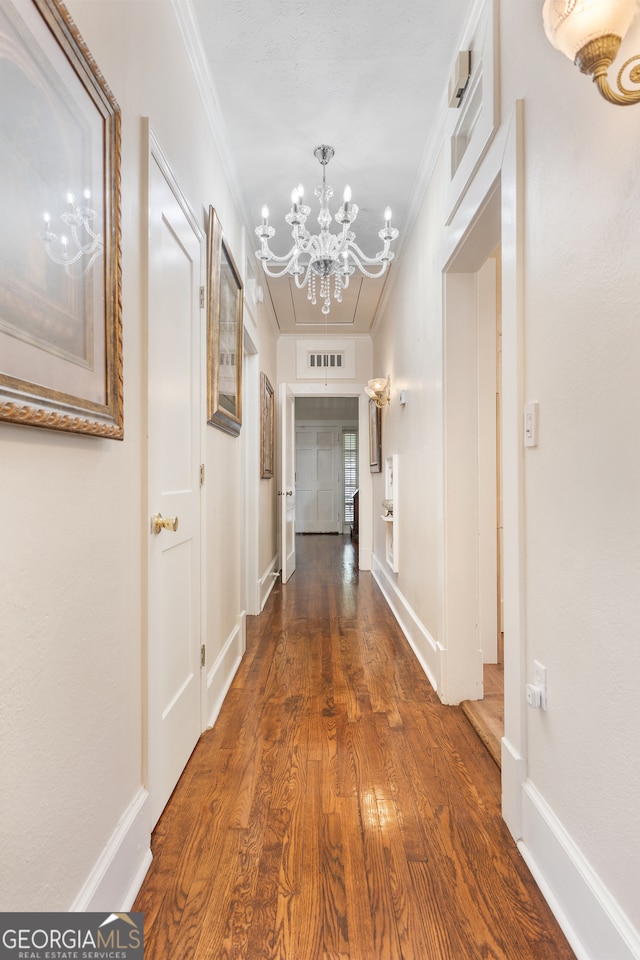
337, 811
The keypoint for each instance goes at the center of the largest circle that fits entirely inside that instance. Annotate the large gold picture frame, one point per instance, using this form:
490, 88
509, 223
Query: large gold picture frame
267, 427
60, 314
375, 438
224, 332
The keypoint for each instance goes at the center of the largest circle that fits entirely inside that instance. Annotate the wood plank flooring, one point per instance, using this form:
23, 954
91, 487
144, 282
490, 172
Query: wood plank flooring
337, 811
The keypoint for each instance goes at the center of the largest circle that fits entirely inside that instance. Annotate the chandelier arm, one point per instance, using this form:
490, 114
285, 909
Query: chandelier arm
368, 273
85, 249
360, 257
274, 256
301, 284
284, 269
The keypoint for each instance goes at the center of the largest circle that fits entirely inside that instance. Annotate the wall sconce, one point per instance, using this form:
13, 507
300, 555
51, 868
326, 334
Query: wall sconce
590, 32
379, 389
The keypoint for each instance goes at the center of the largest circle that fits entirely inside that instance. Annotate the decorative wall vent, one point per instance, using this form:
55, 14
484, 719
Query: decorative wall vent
325, 359
321, 359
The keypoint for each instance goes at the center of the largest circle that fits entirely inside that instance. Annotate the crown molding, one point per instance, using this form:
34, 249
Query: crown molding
186, 18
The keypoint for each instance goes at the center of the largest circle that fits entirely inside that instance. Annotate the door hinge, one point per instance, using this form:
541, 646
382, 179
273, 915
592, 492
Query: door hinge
201, 474
202, 298
203, 655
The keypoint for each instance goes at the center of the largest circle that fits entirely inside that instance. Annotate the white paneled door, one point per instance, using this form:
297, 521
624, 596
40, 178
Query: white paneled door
286, 491
318, 480
175, 244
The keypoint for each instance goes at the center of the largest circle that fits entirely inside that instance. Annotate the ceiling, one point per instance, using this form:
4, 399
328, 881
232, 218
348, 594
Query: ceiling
364, 76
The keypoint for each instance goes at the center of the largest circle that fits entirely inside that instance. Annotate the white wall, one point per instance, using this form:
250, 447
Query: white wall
72, 582
581, 505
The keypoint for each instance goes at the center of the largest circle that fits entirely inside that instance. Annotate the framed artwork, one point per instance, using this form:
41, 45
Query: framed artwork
375, 443
224, 333
60, 320
267, 428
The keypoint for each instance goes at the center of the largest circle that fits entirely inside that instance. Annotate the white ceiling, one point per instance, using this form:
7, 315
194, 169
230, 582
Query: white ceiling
364, 76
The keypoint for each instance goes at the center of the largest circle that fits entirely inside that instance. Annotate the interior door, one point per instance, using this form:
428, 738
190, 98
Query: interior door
175, 245
286, 492
318, 480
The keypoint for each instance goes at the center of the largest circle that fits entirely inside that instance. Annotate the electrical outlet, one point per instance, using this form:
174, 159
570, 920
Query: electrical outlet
533, 695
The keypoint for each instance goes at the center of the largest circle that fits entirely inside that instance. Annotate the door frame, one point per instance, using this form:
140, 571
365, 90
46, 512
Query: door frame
153, 153
340, 389
497, 191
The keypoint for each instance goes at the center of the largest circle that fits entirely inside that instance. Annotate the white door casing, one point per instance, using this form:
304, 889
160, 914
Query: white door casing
286, 489
173, 648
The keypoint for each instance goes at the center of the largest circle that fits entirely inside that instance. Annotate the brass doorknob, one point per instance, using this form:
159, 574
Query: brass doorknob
160, 523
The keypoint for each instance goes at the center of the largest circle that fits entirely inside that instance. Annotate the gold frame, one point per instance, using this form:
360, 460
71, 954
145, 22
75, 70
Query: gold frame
224, 332
60, 336
267, 428
375, 437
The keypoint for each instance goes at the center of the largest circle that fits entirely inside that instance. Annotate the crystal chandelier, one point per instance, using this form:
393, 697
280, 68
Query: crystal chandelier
86, 245
325, 255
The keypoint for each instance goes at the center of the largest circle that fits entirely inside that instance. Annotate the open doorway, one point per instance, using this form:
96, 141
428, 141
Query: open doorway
487, 714
473, 478
326, 464
350, 411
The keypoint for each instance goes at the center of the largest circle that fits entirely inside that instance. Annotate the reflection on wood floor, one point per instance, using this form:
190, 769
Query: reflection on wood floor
337, 811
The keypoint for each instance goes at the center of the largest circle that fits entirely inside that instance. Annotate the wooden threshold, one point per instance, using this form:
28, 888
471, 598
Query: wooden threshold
486, 716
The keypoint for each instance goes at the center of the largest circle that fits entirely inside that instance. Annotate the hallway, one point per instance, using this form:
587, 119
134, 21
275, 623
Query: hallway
337, 809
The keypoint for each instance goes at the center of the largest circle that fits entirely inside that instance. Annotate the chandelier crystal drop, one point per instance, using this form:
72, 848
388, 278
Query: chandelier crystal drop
331, 257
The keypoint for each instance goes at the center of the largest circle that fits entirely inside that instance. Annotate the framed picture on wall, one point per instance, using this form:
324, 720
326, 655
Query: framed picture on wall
267, 428
224, 333
60, 321
375, 442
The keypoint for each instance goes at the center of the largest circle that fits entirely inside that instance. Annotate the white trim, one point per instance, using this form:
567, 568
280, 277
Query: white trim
592, 920
192, 40
480, 38
267, 580
338, 389
121, 867
419, 638
222, 672
514, 772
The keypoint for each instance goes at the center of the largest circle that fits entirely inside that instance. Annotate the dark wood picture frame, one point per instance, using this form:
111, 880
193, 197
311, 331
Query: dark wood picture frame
267, 428
224, 332
60, 287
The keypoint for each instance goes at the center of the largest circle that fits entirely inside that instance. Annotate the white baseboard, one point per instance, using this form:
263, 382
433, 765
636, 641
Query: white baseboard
117, 876
421, 641
267, 581
224, 669
592, 920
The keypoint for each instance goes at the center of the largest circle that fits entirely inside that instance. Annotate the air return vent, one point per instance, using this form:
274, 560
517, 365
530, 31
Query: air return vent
324, 359
315, 360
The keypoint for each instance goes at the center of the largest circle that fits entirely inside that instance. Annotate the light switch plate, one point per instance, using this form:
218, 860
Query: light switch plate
531, 424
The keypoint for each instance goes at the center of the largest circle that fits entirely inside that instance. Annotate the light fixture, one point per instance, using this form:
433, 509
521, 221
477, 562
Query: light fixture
590, 32
86, 245
379, 390
325, 255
